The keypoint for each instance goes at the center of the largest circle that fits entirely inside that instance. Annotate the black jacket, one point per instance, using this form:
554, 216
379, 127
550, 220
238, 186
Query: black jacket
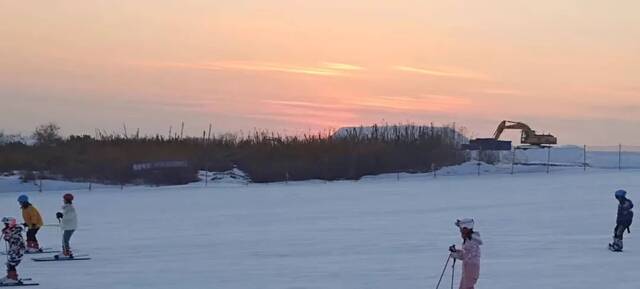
625, 214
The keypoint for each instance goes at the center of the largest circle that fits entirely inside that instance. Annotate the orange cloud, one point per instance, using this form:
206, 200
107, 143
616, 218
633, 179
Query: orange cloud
325, 114
441, 73
301, 119
341, 66
435, 103
325, 69
503, 92
306, 104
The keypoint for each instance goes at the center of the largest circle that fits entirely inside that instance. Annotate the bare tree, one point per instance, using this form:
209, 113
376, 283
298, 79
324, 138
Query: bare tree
47, 134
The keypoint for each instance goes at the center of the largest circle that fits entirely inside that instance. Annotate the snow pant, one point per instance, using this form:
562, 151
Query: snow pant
14, 257
12, 273
66, 236
13, 262
470, 275
618, 231
31, 237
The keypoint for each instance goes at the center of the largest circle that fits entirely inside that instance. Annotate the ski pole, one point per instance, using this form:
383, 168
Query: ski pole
6, 248
61, 233
443, 270
453, 271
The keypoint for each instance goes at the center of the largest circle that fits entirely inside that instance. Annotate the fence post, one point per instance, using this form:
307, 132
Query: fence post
619, 157
513, 160
433, 169
206, 177
584, 157
479, 164
398, 176
40, 186
548, 158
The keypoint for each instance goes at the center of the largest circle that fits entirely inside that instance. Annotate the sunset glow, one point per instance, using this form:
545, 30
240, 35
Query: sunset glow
569, 67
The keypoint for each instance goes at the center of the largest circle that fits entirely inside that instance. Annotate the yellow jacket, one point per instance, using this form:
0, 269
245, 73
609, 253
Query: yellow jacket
32, 217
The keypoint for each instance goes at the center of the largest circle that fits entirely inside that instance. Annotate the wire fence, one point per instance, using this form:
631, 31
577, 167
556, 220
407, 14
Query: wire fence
550, 159
537, 160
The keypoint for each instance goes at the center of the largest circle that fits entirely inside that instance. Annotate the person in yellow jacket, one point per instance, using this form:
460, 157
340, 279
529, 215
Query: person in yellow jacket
33, 222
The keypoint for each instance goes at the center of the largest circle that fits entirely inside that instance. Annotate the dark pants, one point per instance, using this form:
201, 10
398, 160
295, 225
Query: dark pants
618, 231
31, 235
66, 236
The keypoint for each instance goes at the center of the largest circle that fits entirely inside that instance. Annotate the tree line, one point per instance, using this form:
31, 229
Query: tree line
264, 156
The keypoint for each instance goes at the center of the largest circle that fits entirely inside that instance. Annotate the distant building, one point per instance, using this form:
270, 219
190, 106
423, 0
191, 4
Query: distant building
176, 172
159, 165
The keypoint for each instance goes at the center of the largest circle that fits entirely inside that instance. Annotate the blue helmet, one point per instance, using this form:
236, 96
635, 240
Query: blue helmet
23, 199
621, 194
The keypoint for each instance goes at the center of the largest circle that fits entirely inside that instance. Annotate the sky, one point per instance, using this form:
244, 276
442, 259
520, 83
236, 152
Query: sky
570, 68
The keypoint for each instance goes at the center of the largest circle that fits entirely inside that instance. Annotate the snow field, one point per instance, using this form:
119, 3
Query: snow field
539, 230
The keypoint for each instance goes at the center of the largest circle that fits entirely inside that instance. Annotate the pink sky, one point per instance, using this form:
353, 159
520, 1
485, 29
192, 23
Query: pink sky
567, 67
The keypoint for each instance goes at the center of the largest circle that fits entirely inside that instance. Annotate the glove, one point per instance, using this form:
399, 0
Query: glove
25, 225
59, 215
452, 248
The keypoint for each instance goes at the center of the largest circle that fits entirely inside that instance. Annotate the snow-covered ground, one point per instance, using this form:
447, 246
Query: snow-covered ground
540, 231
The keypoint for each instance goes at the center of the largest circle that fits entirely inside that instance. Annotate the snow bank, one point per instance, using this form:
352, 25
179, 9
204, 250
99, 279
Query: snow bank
231, 177
14, 184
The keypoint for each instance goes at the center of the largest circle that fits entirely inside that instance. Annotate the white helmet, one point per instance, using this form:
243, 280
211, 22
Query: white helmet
11, 221
465, 223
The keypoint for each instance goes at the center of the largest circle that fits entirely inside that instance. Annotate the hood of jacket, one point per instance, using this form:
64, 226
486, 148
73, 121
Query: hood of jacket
476, 238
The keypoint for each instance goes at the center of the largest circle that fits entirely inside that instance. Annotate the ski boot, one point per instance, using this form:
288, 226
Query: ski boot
10, 279
33, 250
66, 254
33, 247
616, 246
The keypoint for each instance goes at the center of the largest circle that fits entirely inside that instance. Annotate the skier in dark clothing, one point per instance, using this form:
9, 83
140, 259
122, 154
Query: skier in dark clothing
623, 220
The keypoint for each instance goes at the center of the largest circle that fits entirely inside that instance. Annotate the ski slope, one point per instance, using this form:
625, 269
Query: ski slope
539, 230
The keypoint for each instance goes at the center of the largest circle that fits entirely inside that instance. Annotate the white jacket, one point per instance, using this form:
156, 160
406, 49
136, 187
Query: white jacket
470, 252
69, 218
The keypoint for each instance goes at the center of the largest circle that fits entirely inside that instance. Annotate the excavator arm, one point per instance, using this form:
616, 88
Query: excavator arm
507, 124
528, 136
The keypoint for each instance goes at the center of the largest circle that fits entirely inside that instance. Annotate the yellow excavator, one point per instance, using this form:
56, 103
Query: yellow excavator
528, 136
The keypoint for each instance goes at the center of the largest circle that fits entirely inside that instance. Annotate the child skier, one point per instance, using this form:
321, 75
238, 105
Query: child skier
68, 224
469, 254
32, 221
12, 234
623, 220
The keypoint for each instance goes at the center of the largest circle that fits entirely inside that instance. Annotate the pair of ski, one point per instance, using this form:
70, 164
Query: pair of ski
54, 258
41, 251
21, 282
26, 281
63, 258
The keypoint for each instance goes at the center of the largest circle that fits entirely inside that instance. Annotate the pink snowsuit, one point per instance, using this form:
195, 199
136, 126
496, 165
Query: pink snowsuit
470, 256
